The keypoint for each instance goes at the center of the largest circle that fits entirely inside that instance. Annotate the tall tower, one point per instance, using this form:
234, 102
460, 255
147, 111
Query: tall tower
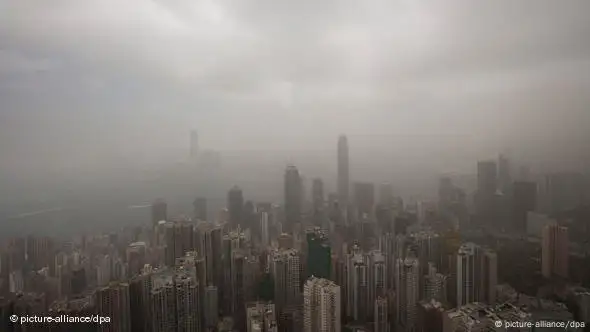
194, 144
555, 251
113, 301
200, 208
321, 306
466, 274
285, 268
343, 171
487, 179
317, 197
357, 284
504, 177
293, 198
319, 254
408, 293
159, 211
381, 315
235, 206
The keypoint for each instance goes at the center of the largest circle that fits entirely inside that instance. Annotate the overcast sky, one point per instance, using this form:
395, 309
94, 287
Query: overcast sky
101, 79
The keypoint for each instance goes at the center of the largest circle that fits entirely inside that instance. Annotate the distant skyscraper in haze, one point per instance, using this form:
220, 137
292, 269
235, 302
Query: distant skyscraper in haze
343, 172
321, 306
504, 176
113, 301
408, 294
159, 211
293, 198
524, 200
194, 144
317, 193
386, 194
364, 198
235, 206
200, 208
555, 251
487, 180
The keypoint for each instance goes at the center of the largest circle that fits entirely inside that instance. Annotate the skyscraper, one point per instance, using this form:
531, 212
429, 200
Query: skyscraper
159, 211
364, 198
113, 301
357, 284
285, 268
343, 172
386, 194
524, 200
200, 209
235, 206
264, 229
504, 176
319, 254
487, 178
293, 198
317, 193
194, 144
555, 251
381, 318
477, 274
321, 306
466, 274
377, 280
407, 297
261, 317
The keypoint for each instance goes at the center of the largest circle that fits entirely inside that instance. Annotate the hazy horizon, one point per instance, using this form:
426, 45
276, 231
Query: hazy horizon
95, 94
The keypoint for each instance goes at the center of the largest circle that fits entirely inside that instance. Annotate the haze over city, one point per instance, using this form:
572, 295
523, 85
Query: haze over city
230, 147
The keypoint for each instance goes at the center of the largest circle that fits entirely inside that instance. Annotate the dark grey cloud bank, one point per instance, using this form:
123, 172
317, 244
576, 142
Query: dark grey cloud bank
93, 81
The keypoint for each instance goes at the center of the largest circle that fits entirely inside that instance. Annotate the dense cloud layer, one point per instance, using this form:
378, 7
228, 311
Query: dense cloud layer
84, 79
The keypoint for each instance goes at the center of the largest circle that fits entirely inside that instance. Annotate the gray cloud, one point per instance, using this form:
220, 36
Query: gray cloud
144, 72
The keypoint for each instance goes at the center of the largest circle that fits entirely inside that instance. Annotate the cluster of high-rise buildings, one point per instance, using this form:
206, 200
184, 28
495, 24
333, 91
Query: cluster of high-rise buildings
357, 259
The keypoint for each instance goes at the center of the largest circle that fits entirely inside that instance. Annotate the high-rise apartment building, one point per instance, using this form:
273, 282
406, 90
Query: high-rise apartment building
321, 306
319, 254
285, 268
408, 295
211, 307
555, 251
476, 276
208, 242
113, 301
381, 315
377, 283
261, 317
357, 284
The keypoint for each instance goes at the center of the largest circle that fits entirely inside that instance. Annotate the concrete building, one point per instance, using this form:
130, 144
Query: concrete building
261, 317
407, 276
555, 252
293, 199
321, 306
113, 301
